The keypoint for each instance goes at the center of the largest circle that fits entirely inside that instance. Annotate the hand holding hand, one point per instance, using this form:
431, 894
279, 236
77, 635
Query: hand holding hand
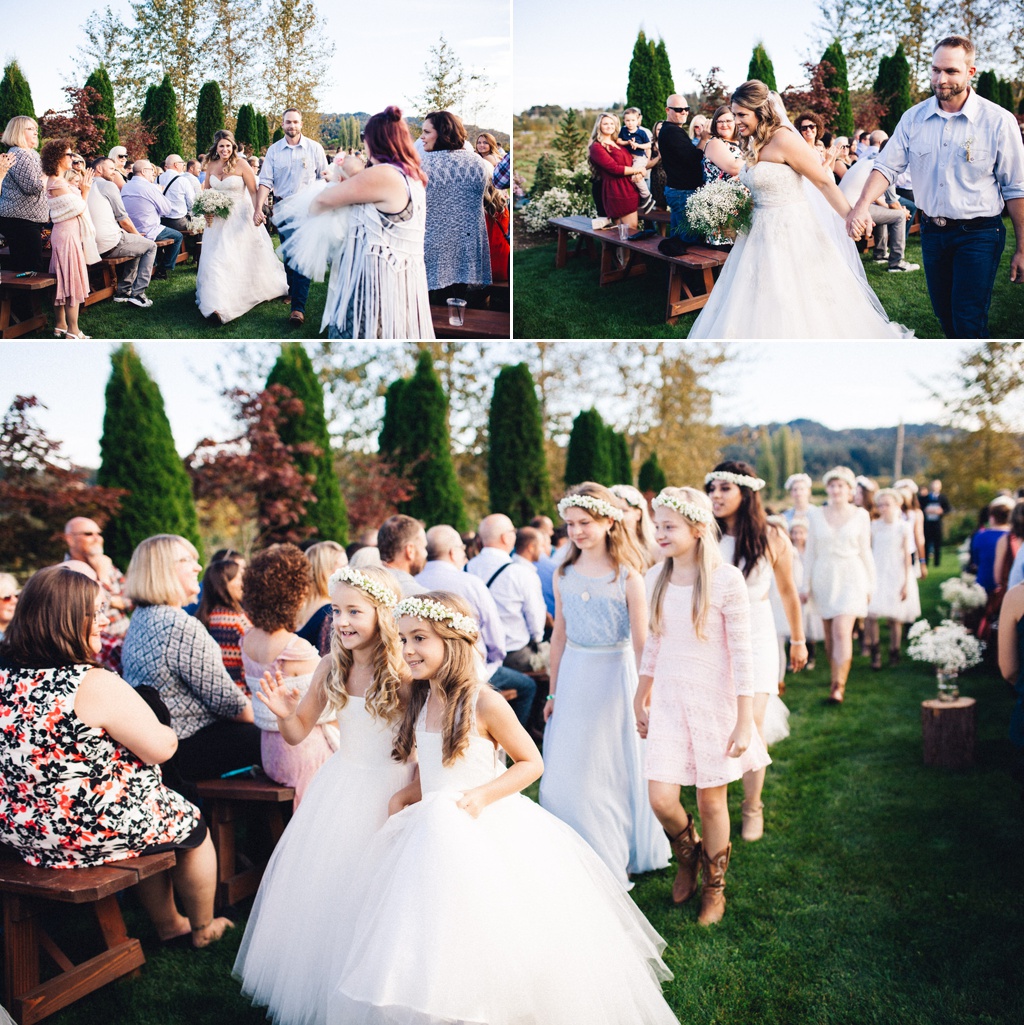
277, 696
258, 218
643, 719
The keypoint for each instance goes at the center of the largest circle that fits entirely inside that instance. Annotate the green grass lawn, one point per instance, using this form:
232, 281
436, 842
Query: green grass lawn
883, 893
569, 303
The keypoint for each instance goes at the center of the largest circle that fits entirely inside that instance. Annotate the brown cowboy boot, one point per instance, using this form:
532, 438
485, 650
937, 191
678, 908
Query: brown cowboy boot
687, 849
712, 895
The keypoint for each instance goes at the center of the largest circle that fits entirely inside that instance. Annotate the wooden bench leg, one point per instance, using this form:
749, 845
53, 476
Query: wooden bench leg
612, 270
561, 248
21, 949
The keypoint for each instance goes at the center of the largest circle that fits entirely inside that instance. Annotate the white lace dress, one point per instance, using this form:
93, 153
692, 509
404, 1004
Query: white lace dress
239, 268
787, 278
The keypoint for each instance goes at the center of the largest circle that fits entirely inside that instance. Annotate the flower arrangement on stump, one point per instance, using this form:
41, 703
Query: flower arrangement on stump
949, 647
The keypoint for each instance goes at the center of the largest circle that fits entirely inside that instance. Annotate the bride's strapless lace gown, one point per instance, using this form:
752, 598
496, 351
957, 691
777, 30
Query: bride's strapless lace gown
787, 278
238, 268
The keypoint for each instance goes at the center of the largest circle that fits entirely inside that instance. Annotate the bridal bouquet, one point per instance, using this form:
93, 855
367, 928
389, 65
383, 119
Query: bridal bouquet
211, 203
949, 646
722, 206
962, 593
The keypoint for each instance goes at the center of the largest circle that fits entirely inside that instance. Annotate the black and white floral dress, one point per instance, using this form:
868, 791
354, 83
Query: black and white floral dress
69, 794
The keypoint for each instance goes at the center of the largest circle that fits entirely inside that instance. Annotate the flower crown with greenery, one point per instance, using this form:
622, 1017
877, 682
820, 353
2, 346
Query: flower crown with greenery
742, 479
427, 608
597, 506
378, 592
689, 510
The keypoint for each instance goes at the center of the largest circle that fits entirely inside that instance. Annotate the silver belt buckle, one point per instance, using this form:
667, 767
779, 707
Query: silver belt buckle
939, 222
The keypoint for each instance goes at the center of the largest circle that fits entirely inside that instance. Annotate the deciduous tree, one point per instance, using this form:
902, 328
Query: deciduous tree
76, 122
297, 54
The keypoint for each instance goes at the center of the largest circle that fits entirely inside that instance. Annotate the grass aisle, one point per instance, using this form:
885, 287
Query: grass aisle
569, 303
883, 892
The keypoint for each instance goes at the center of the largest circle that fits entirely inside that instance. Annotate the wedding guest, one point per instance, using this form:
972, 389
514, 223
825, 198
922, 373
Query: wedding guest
402, 547
496, 213
120, 157
9, 594
684, 169
180, 189
936, 506
220, 611
798, 485
722, 157
638, 143
698, 129
6, 163
502, 176
966, 158
811, 127
619, 197
487, 146
193, 167
147, 206
1011, 666
656, 169
23, 208
313, 622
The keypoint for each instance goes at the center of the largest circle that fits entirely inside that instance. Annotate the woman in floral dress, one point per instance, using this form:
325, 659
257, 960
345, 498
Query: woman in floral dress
722, 158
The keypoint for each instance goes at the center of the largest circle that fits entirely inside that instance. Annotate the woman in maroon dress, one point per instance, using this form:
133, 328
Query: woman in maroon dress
614, 164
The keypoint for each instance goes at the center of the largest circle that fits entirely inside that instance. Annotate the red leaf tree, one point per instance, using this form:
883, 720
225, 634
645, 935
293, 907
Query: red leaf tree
818, 96
374, 489
77, 122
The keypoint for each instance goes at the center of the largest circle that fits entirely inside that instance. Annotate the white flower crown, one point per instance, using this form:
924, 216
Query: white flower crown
754, 483
797, 478
692, 512
597, 506
842, 473
380, 594
427, 608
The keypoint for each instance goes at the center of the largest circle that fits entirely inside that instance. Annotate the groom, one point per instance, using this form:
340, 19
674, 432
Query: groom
291, 165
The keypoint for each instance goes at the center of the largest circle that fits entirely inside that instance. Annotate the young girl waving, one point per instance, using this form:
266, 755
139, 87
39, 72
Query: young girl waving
695, 700
475, 869
280, 963
594, 777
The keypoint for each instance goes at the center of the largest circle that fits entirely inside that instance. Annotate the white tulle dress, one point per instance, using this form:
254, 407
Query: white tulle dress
238, 268
788, 277
506, 919
283, 959
890, 544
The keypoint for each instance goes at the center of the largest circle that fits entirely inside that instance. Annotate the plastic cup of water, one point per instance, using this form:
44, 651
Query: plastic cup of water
455, 311
623, 232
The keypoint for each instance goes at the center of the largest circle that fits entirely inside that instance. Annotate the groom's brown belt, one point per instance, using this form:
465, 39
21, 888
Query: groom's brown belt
953, 222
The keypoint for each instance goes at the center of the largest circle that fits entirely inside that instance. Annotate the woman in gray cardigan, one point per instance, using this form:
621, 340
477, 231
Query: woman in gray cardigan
23, 210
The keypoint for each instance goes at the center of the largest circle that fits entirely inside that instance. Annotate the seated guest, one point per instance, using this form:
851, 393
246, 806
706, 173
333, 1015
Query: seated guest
220, 611
174, 653
314, 618
194, 167
117, 237
84, 760
119, 155
146, 205
9, 592
276, 585
402, 545
811, 126
180, 190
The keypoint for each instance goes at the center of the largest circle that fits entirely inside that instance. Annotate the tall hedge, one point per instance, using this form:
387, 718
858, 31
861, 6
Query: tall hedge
589, 453
389, 441
839, 79
137, 452
761, 67
621, 460
104, 107
160, 116
517, 468
262, 132
664, 69
15, 95
644, 88
892, 89
245, 126
325, 519
209, 115
652, 477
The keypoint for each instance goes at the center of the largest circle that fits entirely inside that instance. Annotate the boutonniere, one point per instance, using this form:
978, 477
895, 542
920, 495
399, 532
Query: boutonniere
966, 147
305, 164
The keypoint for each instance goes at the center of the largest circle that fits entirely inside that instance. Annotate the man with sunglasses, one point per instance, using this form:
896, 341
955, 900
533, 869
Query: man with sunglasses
684, 172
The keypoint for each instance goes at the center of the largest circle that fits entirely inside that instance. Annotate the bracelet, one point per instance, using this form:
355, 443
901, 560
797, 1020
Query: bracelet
550, 697
792, 642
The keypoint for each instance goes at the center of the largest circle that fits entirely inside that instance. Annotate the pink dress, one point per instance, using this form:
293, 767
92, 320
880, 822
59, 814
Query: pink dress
67, 255
291, 766
696, 683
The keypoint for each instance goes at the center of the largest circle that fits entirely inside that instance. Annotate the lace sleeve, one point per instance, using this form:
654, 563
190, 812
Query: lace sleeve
649, 659
736, 613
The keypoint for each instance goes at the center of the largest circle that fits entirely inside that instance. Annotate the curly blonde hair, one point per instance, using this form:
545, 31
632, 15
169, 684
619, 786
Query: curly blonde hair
458, 680
754, 96
622, 545
382, 698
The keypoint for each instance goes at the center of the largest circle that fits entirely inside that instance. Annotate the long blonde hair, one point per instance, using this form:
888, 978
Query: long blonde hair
643, 532
382, 696
595, 133
458, 680
754, 95
620, 542
709, 558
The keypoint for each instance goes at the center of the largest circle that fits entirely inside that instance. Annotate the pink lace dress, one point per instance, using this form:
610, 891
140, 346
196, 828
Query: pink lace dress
696, 683
291, 766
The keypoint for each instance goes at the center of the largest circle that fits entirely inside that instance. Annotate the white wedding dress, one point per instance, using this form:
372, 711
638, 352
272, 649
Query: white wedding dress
238, 268
787, 277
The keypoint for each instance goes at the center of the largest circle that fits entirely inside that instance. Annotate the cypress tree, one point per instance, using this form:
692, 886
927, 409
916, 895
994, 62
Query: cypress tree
209, 115
262, 132
588, 456
168, 138
326, 518
357, 133
245, 127
517, 466
278, 134
652, 477
621, 461
390, 439
426, 448
137, 453
782, 442
664, 69
1006, 94
644, 87
104, 107
15, 95
839, 79
987, 85
766, 465
899, 98
761, 67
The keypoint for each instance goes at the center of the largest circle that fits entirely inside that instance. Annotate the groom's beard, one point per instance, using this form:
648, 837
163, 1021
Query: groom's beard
948, 91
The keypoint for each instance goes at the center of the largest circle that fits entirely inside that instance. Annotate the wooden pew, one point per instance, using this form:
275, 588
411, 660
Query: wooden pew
10, 283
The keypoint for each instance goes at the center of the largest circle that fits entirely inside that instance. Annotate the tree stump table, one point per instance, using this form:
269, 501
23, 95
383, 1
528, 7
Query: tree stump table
948, 729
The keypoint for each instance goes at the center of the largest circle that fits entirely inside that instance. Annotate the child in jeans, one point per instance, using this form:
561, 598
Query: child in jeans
637, 139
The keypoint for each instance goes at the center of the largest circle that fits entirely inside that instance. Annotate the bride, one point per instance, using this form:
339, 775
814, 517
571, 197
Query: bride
238, 268
794, 275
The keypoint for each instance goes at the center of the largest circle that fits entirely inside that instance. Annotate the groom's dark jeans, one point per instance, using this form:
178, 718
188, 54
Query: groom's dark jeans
298, 286
960, 264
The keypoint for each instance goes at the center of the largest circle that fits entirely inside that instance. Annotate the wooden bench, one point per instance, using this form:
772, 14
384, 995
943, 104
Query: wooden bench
661, 219
107, 272
225, 801
27, 891
475, 324
34, 286
636, 253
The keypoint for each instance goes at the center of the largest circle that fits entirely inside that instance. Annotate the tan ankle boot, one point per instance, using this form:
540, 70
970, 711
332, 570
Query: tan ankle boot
686, 847
753, 820
712, 894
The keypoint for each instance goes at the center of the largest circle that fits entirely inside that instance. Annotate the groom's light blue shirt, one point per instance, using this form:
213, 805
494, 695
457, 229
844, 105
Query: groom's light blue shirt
288, 169
962, 165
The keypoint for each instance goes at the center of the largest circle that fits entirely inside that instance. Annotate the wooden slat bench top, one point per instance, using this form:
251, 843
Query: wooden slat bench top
78, 885
695, 256
10, 279
475, 324
245, 789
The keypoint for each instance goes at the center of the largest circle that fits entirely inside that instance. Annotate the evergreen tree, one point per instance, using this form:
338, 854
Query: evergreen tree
278, 134
389, 441
1006, 94
898, 97
797, 459
426, 448
160, 117
987, 85
621, 461
137, 453
571, 139
766, 465
517, 468
15, 95
149, 111
664, 69
103, 108
644, 89
209, 115
263, 132
326, 518
357, 133
838, 79
782, 443
761, 67
245, 127
543, 175
652, 477
588, 456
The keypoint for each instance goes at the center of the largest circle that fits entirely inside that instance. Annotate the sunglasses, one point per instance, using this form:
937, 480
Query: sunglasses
808, 128
679, 110
10, 597
88, 533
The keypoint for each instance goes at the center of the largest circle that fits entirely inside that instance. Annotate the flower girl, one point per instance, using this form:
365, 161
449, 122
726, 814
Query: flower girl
475, 868
695, 700
280, 963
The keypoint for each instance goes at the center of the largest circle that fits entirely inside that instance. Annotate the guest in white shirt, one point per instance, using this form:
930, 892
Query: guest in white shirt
146, 204
181, 189
966, 158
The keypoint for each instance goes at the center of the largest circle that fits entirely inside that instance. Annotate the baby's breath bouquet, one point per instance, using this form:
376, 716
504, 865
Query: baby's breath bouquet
949, 646
211, 203
962, 594
724, 205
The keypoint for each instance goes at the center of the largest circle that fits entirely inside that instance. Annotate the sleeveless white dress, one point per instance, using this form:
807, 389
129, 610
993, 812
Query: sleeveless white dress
787, 278
839, 566
281, 962
238, 268
442, 897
